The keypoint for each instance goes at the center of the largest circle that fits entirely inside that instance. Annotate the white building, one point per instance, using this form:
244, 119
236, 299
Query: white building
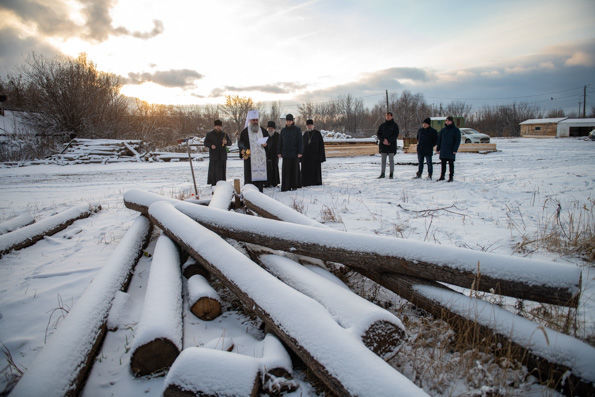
575, 127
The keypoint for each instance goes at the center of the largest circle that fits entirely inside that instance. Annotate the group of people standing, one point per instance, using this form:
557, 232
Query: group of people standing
446, 141
261, 149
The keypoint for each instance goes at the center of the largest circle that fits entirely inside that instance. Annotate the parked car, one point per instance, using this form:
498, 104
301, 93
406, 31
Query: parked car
592, 135
469, 135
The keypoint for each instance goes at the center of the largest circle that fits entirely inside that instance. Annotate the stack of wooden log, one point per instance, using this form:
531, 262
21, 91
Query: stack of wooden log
100, 151
338, 335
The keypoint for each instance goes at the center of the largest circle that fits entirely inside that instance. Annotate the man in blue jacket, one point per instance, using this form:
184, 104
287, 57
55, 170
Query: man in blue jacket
426, 140
449, 140
388, 132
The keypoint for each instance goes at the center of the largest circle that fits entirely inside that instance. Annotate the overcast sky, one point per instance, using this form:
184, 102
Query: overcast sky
189, 51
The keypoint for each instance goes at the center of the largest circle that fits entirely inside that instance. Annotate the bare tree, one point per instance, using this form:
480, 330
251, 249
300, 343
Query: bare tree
236, 108
458, 108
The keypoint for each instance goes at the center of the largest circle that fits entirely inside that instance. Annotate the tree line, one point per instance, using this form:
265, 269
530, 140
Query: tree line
71, 97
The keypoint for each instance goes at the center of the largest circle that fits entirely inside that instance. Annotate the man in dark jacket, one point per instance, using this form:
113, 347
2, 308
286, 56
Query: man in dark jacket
426, 140
291, 147
272, 155
449, 140
388, 132
217, 141
313, 157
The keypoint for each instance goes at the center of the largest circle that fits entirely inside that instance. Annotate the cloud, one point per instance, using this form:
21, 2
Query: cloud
15, 49
55, 20
276, 88
167, 78
581, 58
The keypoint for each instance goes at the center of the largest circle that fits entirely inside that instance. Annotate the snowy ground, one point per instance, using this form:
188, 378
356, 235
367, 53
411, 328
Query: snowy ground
499, 202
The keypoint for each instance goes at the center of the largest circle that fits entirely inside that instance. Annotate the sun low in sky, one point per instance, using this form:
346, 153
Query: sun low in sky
196, 52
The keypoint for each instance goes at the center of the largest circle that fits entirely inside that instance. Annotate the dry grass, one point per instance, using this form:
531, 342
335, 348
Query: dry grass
568, 231
328, 215
298, 205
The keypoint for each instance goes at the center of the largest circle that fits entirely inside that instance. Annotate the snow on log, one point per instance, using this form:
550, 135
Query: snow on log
222, 196
29, 235
381, 331
558, 358
205, 372
523, 278
158, 338
276, 367
191, 267
62, 366
301, 322
268, 207
16, 222
203, 299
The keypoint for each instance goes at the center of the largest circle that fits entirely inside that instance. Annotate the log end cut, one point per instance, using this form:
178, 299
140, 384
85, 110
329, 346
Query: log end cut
153, 357
383, 338
206, 309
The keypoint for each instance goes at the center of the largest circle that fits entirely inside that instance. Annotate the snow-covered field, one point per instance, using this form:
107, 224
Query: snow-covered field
500, 202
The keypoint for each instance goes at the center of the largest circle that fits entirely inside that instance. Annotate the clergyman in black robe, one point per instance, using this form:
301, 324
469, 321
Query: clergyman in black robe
217, 141
272, 156
291, 147
313, 157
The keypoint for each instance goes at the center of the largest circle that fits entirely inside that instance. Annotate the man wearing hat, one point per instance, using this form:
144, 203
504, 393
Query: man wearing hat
447, 145
217, 141
313, 156
291, 147
426, 140
272, 155
252, 144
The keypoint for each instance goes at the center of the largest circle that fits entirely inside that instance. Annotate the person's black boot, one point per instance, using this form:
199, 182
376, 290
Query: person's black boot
450, 178
417, 176
391, 175
429, 176
441, 178
381, 176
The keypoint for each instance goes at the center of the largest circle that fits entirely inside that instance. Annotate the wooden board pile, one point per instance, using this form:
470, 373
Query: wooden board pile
101, 151
463, 148
350, 147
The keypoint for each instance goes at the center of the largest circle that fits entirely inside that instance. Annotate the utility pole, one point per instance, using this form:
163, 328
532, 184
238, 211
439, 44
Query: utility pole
387, 101
584, 101
579, 109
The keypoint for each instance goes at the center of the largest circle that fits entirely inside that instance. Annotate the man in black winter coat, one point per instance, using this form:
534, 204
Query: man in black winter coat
426, 140
217, 141
291, 148
448, 143
388, 132
313, 157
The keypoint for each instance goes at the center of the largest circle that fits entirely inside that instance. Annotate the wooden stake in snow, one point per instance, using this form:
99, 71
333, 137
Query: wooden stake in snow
204, 300
523, 278
29, 235
236, 188
63, 364
301, 322
206, 372
16, 222
158, 338
379, 329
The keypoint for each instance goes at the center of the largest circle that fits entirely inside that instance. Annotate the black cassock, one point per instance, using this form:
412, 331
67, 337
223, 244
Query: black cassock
217, 156
312, 158
273, 160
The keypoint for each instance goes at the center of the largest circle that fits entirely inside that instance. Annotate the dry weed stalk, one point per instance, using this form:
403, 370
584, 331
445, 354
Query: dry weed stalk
328, 215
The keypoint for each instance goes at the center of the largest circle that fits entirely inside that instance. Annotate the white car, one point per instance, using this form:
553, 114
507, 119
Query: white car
469, 135
592, 135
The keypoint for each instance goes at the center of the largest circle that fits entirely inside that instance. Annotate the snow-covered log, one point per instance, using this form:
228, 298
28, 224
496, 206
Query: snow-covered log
268, 207
565, 361
29, 235
205, 372
302, 323
522, 278
62, 366
380, 330
222, 196
203, 300
276, 367
158, 338
21, 220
